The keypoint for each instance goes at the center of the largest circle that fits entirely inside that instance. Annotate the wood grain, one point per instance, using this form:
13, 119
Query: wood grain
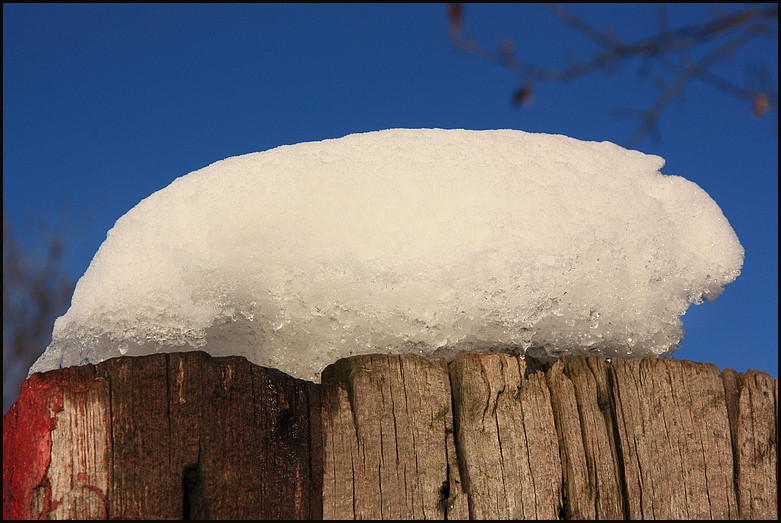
487, 436
393, 421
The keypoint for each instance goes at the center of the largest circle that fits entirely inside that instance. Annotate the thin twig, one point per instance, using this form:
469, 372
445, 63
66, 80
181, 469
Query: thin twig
658, 48
687, 75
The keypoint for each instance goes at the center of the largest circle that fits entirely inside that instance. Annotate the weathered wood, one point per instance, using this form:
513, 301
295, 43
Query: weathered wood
674, 438
388, 440
582, 407
188, 436
34, 438
168, 436
752, 405
81, 443
505, 438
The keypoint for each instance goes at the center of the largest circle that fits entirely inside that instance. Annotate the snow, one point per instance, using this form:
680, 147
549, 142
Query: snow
405, 240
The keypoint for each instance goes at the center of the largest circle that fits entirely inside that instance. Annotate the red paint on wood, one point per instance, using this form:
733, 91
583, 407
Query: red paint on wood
27, 428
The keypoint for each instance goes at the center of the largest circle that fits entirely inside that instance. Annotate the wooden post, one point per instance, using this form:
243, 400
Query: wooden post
488, 436
171, 436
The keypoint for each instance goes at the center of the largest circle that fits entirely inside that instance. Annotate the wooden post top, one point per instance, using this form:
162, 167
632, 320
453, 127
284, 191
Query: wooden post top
486, 436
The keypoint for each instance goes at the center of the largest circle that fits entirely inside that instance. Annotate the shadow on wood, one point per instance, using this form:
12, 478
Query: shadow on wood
488, 436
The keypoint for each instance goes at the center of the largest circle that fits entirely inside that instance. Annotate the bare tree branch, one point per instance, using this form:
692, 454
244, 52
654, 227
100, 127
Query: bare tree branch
689, 73
740, 27
36, 290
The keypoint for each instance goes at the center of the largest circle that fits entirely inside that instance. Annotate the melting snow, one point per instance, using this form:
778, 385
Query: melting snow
405, 240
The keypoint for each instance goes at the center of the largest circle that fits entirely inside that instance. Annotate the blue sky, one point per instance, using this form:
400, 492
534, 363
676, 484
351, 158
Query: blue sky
105, 104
